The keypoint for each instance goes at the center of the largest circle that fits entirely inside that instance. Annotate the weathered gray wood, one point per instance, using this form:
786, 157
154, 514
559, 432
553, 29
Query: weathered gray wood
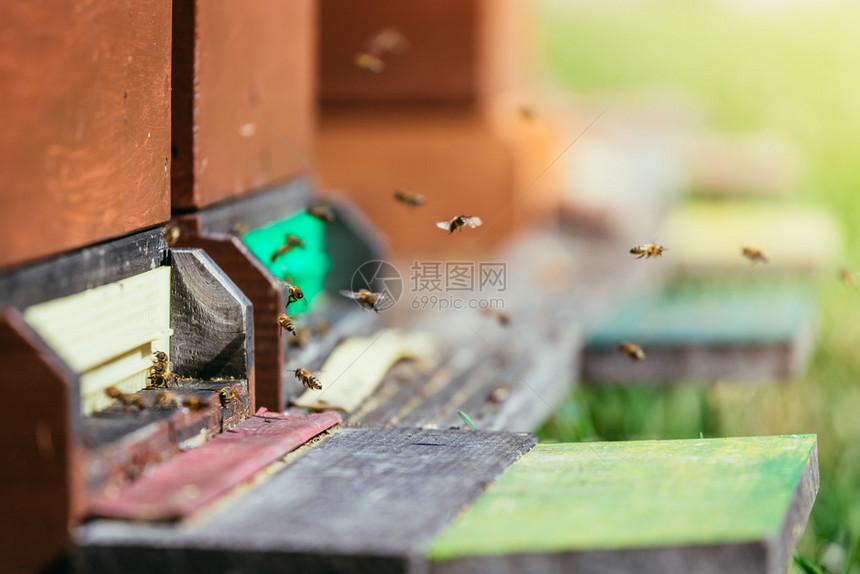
366, 499
211, 318
83, 269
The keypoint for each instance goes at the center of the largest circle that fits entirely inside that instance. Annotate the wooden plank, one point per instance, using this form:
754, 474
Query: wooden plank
42, 480
242, 109
707, 238
351, 373
195, 479
92, 158
365, 499
83, 269
704, 335
211, 318
708, 505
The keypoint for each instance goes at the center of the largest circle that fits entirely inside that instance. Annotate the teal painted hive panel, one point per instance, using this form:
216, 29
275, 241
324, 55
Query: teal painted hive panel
706, 317
638, 494
303, 266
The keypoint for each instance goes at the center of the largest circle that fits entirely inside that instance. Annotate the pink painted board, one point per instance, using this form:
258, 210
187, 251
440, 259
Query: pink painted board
194, 479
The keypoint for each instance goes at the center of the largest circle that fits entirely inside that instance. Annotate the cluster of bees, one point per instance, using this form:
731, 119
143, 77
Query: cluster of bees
161, 379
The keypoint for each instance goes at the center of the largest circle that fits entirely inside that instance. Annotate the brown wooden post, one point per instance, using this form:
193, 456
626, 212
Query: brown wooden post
41, 476
242, 97
85, 108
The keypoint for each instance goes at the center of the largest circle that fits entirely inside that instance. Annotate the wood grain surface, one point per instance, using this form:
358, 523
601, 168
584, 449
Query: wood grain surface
211, 318
243, 97
729, 504
85, 147
193, 480
366, 499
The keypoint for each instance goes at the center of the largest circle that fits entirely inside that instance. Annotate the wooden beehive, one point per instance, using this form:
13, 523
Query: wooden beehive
78, 323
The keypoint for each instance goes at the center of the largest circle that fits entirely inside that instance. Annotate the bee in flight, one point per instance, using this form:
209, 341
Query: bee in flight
171, 234
290, 242
388, 40
301, 339
497, 314
287, 324
165, 399
632, 350
527, 113
409, 197
460, 222
294, 293
307, 378
754, 254
321, 211
369, 63
194, 403
127, 400
848, 277
648, 250
365, 298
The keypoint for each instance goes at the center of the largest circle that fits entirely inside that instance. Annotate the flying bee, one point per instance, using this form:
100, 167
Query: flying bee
632, 350
848, 277
171, 234
409, 197
648, 250
497, 314
294, 294
460, 222
754, 254
388, 40
321, 211
290, 242
369, 63
365, 298
308, 379
301, 339
287, 324
321, 327
127, 400
527, 113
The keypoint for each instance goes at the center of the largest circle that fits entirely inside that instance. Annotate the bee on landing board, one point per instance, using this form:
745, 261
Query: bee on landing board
127, 400
754, 254
159, 372
321, 211
228, 396
165, 399
171, 234
365, 298
409, 197
648, 250
290, 242
460, 222
287, 324
632, 350
308, 379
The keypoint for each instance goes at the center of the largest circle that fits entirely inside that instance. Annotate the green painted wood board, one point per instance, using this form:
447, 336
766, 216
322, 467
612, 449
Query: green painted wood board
306, 266
707, 237
706, 317
620, 495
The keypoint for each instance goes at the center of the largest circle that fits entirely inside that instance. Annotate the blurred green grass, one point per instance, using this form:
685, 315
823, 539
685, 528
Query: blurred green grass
792, 68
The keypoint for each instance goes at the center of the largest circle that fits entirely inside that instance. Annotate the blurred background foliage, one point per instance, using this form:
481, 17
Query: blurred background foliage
788, 67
